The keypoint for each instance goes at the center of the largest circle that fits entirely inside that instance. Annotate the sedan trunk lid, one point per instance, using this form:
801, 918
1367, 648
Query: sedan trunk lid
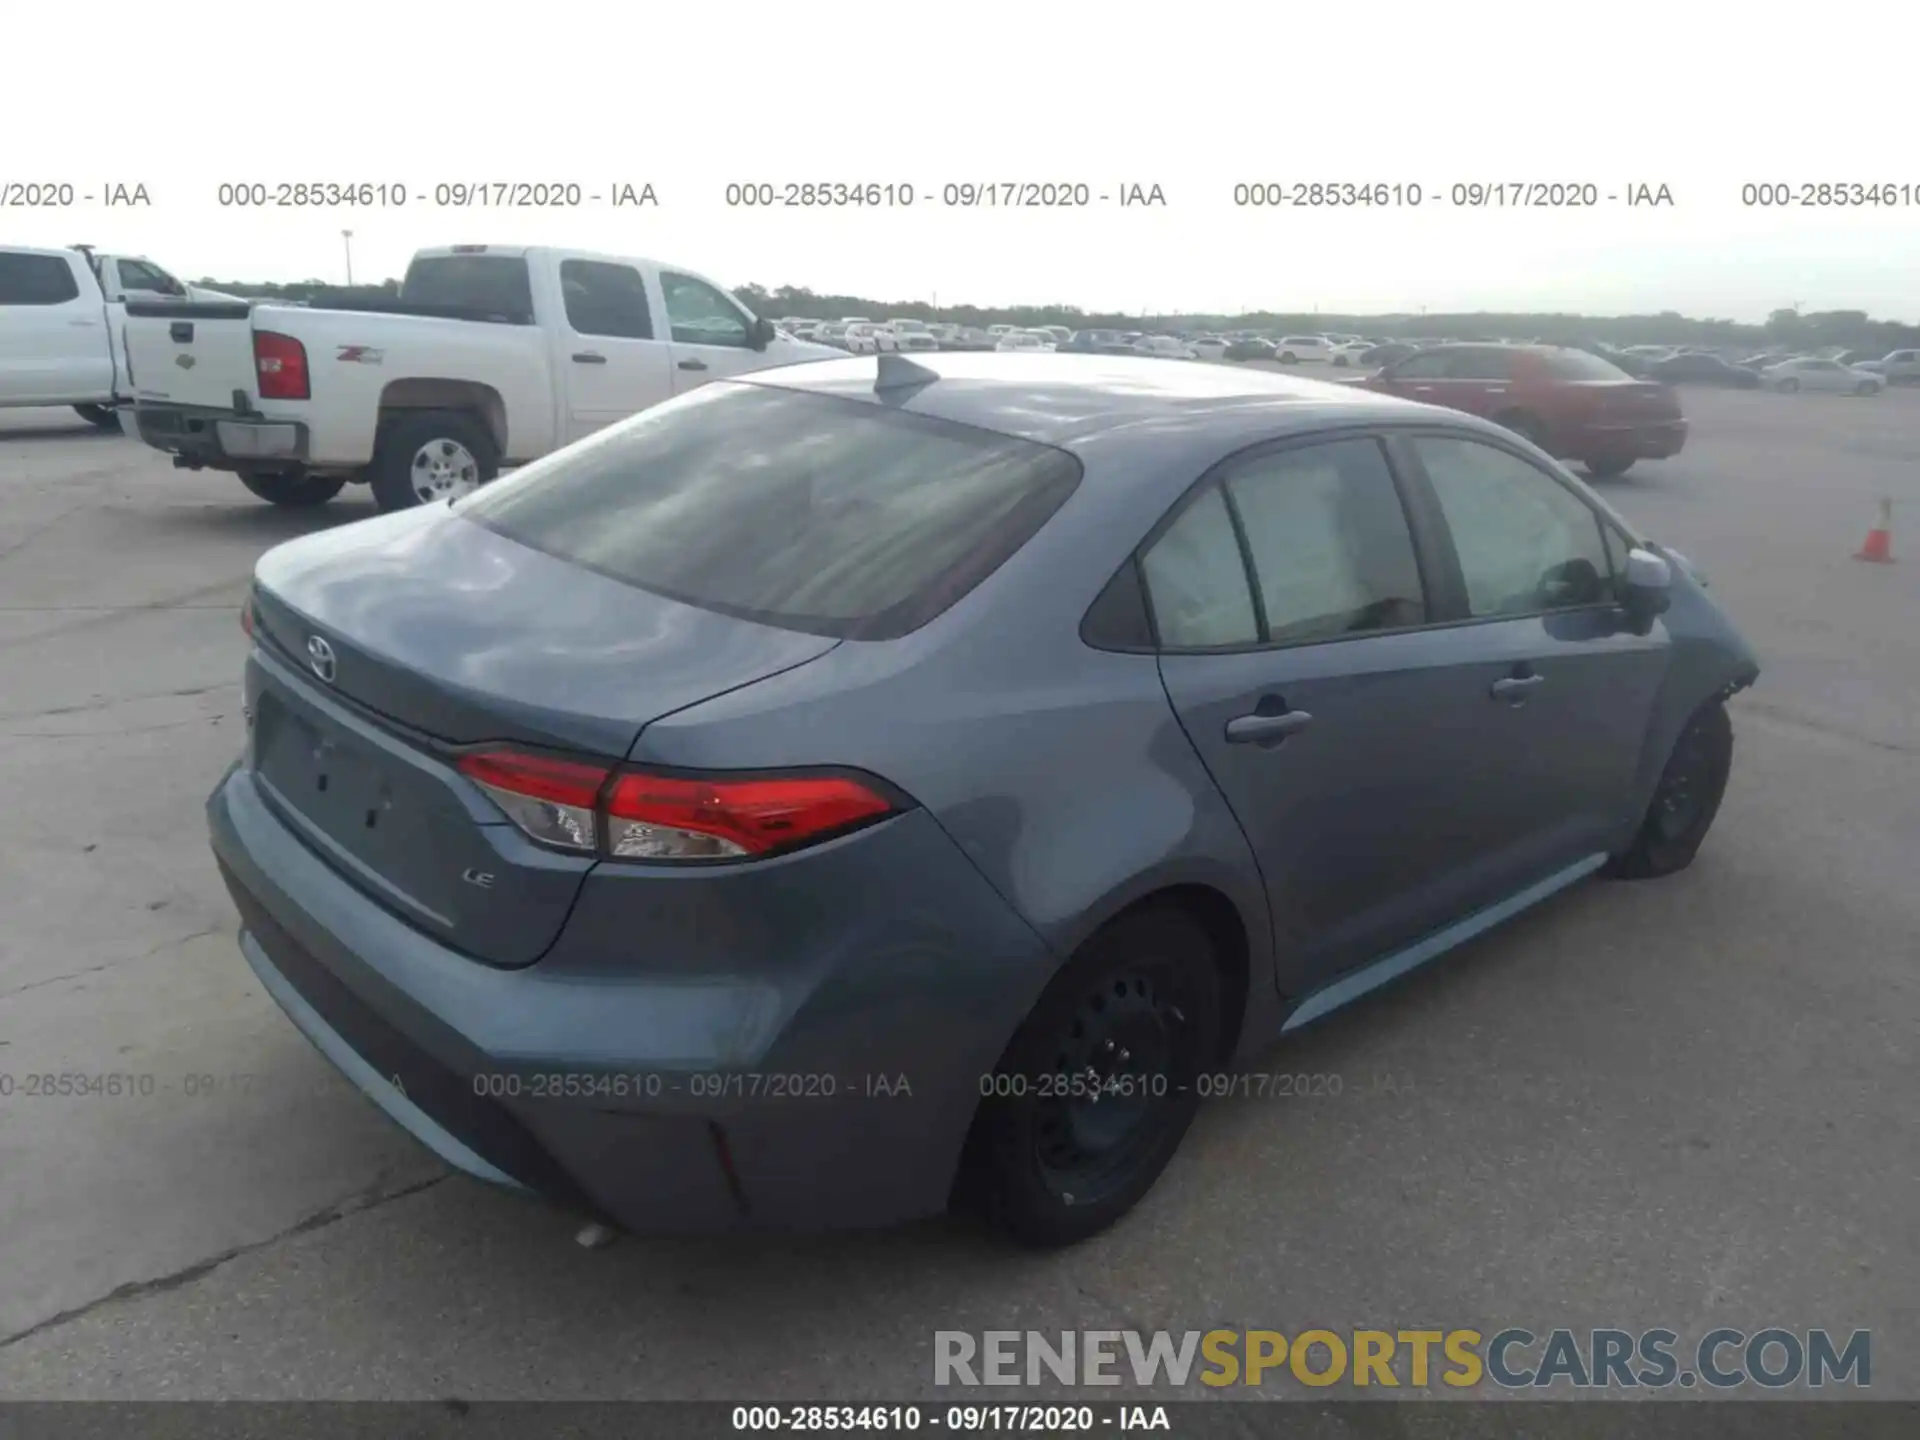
387, 647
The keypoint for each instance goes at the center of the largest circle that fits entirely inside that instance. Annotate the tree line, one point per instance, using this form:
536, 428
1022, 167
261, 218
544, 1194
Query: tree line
1854, 329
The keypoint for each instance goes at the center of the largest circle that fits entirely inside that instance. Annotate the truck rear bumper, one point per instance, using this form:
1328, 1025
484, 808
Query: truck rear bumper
221, 439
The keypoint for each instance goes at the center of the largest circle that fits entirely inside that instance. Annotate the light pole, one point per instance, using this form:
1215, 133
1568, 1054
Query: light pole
346, 237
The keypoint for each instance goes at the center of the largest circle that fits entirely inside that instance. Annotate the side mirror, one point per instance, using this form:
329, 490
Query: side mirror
1646, 588
760, 334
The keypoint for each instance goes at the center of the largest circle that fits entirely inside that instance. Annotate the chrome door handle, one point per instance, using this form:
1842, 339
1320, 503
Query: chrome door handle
1266, 729
1516, 687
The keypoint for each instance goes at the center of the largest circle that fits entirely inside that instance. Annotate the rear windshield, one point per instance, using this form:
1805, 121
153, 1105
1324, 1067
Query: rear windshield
1579, 365
491, 285
833, 516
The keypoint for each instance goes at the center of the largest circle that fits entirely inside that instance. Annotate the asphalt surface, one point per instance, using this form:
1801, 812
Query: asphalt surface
1680, 1103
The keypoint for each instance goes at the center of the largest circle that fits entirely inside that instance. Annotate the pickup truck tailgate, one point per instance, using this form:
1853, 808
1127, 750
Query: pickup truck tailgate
191, 354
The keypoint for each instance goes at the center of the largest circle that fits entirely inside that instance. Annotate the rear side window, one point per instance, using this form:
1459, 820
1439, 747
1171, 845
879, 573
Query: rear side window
491, 285
36, 280
1197, 580
832, 516
605, 299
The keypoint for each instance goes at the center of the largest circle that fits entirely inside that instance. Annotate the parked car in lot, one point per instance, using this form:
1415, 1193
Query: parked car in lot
730, 745
1026, 340
1348, 353
1095, 342
1292, 349
865, 337
1697, 368
1571, 404
1901, 367
1209, 347
913, 337
62, 323
1165, 347
491, 356
1810, 372
969, 337
1250, 347
1374, 356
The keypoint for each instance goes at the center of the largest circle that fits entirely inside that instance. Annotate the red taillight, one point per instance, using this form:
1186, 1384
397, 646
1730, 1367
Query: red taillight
580, 806
552, 800
281, 363
654, 817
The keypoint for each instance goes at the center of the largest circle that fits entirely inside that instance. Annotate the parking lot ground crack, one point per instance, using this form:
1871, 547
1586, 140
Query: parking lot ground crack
105, 615
1823, 727
113, 964
369, 1199
1112, 1306
42, 528
107, 702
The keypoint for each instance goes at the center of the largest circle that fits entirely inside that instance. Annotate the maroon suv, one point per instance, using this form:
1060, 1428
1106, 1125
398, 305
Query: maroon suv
1573, 405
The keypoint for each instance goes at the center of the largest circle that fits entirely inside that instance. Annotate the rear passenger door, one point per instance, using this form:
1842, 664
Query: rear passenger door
1471, 378
1559, 678
613, 363
712, 336
1297, 606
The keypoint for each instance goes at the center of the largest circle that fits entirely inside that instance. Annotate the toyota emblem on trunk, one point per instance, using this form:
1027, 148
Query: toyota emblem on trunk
320, 657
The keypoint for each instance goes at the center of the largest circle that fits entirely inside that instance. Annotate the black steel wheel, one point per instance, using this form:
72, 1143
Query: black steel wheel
1100, 1084
1685, 801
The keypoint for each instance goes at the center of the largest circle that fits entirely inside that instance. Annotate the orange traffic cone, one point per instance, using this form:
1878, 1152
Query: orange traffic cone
1879, 543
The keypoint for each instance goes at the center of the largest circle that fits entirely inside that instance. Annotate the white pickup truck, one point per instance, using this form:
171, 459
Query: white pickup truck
491, 356
60, 325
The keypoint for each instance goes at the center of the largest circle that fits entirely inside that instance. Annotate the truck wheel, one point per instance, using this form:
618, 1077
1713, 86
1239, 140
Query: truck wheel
430, 456
1607, 469
104, 416
292, 491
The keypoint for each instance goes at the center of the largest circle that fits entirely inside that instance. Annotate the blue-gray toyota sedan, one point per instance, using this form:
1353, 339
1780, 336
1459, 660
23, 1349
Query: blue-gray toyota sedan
878, 783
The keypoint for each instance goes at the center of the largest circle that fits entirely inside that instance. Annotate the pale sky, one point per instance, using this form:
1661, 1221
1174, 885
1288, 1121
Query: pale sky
1193, 97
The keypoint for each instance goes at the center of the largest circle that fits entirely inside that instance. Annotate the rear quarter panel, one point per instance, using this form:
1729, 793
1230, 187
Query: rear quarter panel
360, 362
1060, 771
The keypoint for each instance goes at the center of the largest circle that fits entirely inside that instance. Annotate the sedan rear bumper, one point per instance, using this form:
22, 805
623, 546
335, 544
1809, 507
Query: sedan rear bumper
662, 1100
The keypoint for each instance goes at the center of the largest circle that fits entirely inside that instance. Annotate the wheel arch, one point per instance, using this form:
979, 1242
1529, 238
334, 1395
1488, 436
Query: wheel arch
1239, 931
432, 393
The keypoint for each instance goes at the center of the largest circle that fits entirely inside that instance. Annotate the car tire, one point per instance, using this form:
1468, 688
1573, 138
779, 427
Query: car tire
423, 456
1287, 357
1685, 801
292, 490
1051, 1169
1607, 469
1788, 386
1866, 387
101, 417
